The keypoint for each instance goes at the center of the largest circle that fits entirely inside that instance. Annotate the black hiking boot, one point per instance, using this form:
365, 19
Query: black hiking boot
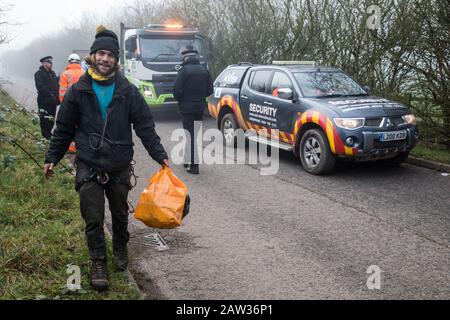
99, 275
121, 259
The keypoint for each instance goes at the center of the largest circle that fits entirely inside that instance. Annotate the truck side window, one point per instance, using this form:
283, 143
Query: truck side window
260, 81
280, 80
131, 47
230, 79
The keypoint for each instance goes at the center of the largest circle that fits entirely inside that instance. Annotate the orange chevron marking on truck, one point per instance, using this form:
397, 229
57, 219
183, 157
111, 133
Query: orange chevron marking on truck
336, 144
335, 141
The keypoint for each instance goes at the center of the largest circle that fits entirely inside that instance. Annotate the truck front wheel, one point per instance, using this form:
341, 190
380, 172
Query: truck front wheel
315, 153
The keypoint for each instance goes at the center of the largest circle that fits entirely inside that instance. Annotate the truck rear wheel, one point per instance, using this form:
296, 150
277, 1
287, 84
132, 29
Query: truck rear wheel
315, 153
228, 126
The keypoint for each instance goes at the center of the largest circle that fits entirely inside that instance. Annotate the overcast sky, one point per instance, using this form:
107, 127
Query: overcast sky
42, 17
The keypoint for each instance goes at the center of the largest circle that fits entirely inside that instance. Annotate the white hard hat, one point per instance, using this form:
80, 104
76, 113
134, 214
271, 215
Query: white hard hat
74, 57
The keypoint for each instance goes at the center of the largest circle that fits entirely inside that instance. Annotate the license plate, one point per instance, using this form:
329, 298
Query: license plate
392, 136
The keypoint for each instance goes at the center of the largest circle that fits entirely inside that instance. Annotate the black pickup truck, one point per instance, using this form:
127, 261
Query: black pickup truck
319, 113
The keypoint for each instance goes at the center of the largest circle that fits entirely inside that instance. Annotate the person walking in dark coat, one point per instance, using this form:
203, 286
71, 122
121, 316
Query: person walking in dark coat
47, 87
192, 86
98, 113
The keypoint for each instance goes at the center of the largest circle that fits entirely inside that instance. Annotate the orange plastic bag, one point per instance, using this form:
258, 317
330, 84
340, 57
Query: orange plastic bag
161, 204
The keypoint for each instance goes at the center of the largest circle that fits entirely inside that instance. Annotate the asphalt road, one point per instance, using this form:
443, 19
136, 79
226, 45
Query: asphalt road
297, 236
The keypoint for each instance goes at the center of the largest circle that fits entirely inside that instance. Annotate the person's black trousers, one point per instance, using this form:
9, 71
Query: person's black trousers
92, 207
188, 120
45, 122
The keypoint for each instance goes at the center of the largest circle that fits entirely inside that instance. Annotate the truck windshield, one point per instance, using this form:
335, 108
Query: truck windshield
167, 49
323, 84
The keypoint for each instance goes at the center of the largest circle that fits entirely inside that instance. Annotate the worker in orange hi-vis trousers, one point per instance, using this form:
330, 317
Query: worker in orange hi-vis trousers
70, 76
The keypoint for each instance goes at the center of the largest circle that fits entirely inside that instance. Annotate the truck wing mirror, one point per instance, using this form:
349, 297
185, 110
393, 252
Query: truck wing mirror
285, 93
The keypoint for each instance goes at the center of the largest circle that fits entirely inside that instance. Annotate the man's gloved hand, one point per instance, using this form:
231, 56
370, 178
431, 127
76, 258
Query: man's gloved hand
166, 163
48, 170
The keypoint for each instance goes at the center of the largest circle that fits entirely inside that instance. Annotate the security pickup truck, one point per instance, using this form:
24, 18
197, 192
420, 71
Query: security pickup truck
319, 113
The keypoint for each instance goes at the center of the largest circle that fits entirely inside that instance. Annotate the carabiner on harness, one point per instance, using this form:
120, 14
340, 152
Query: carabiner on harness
102, 177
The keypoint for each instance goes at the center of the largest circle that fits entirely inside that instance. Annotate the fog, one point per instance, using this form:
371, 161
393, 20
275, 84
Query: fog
38, 29
402, 53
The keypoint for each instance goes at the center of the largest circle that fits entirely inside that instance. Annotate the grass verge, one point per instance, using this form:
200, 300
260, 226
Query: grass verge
41, 230
426, 152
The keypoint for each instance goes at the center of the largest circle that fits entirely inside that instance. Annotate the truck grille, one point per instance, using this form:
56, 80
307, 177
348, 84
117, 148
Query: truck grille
164, 77
397, 121
158, 67
376, 122
163, 89
388, 144
164, 83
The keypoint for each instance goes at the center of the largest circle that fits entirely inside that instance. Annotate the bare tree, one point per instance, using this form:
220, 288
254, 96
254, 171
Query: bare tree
406, 59
4, 8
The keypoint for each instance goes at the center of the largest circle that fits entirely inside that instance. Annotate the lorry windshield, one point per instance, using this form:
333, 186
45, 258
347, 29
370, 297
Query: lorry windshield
167, 49
322, 84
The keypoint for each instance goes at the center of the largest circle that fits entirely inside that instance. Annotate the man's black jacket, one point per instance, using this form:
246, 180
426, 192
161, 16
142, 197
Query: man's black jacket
192, 86
80, 119
47, 87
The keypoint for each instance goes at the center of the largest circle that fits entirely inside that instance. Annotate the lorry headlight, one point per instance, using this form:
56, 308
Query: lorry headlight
148, 93
410, 119
349, 123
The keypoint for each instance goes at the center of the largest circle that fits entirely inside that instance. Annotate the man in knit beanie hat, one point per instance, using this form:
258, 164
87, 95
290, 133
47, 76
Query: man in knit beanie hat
98, 113
104, 53
106, 39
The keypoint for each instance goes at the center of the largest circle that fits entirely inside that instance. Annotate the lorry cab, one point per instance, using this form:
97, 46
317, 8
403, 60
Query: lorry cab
151, 58
319, 113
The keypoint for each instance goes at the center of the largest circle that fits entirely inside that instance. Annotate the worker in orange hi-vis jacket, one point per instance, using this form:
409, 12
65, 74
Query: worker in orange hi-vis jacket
70, 76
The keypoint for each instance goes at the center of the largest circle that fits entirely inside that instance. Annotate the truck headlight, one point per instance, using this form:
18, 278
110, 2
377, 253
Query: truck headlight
410, 119
349, 123
148, 92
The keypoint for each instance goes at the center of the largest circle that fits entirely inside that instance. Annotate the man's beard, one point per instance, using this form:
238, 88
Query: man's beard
111, 70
